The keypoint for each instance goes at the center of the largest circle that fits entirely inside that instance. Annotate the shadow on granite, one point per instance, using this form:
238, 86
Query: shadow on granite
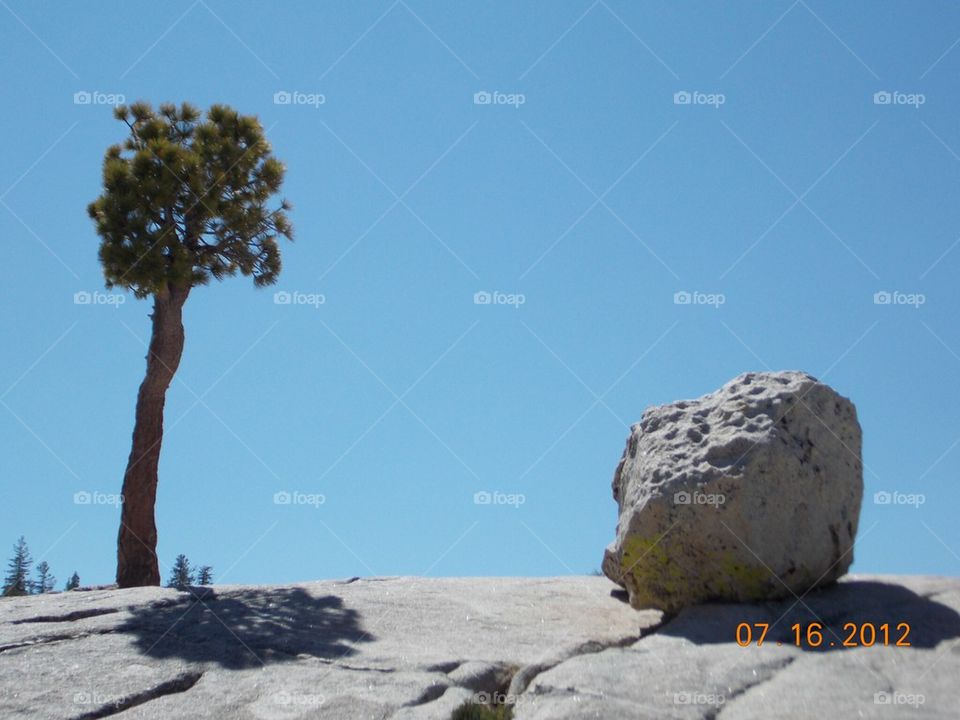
246, 628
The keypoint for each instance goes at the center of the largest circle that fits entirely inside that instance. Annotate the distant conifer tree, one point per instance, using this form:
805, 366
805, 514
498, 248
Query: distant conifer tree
17, 581
73, 583
45, 579
181, 576
205, 575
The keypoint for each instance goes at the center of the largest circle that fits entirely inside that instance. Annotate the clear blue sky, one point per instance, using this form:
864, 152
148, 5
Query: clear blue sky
797, 198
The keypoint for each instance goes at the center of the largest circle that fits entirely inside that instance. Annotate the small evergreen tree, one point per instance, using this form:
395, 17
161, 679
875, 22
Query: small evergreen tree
73, 583
45, 580
17, 582
205, 575
181, 575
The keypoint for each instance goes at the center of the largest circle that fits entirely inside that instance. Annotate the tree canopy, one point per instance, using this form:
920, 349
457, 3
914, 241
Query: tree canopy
185, 199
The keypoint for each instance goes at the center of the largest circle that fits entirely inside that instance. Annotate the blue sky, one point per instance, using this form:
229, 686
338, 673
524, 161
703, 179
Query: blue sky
586, 189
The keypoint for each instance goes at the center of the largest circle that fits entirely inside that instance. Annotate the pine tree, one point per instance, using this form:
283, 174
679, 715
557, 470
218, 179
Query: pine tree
17, 581
73, 583
205, 575
45, 580
185, 199
181, 576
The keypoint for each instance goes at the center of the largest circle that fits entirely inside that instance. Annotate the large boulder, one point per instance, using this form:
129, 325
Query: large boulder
749, 493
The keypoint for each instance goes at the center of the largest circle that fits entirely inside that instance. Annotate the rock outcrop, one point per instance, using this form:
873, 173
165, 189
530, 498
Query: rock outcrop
417, 648
751, 492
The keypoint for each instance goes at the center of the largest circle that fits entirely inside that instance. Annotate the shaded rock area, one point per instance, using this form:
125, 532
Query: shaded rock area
420, 647
752, 492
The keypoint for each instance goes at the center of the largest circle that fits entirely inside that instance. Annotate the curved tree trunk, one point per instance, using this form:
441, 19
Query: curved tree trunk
137, 541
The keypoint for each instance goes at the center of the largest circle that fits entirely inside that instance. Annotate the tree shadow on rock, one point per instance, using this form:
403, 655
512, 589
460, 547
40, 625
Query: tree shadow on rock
857, 602
246, 628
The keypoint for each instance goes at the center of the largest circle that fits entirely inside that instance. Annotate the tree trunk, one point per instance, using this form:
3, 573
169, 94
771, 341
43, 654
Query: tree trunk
137, 541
